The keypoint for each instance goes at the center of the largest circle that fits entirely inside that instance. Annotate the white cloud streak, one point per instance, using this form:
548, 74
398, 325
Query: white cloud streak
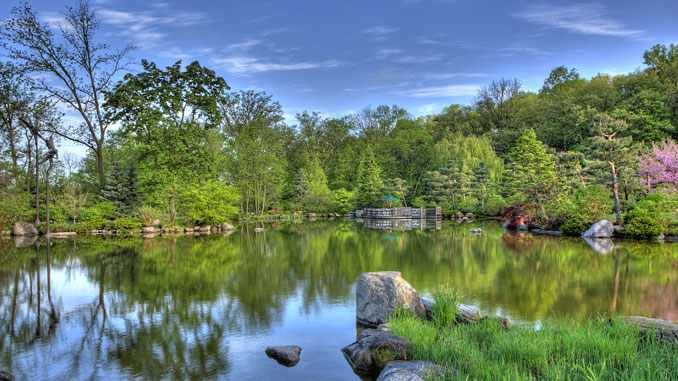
245, 65
379, 33
441, 91
588, 19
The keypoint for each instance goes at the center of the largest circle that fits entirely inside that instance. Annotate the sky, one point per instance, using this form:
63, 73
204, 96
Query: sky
337, 57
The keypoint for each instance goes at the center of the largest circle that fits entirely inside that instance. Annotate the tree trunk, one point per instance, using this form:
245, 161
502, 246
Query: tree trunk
37, 183
100, 164
13, 153
49, 169
615, 193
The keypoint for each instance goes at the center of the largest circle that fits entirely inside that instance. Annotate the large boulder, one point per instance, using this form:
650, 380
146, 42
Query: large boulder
227, 227
24, 229
601, 229
378, 294
205, 228
412, 370
4, 376
287, 355
148, 230
374, 349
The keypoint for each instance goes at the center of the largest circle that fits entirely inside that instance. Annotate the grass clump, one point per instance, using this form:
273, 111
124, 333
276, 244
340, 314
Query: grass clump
446, 306
598, 349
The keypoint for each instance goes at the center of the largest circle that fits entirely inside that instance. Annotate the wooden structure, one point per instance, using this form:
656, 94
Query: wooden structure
403, 213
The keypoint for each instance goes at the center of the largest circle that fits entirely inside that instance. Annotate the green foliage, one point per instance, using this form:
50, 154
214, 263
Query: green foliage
343, 200
495, 205
210, 203
369, 180
101, 211
644, 227
470, 204
586, 207
13, 208
148, 215
445, 306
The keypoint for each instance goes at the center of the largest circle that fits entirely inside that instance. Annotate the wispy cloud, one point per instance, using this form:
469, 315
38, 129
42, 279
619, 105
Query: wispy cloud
379, 33
245, 45
148, 29
445, 76
589, 19
386, 52
245, 65
440, 91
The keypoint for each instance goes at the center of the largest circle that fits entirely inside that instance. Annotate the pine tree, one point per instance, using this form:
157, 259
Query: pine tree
481, 184
369, 180
397, 188
114, 191
455, 181
531, 171
608, 146
302, 188
131, 195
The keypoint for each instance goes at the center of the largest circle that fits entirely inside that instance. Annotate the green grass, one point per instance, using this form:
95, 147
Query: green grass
599, 349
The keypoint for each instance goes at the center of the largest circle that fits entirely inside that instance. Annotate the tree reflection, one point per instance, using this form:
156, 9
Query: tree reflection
166, 308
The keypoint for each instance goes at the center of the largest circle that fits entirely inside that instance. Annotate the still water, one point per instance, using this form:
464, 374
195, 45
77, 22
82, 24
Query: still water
201, 307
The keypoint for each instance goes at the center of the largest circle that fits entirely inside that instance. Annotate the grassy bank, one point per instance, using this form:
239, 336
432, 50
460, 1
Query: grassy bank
599, 349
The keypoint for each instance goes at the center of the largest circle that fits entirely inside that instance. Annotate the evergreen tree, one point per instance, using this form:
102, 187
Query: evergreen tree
531, 172
369, 180
131, 199
454, 181
397, 188
609, 147
481, 184
302, 188
114, 191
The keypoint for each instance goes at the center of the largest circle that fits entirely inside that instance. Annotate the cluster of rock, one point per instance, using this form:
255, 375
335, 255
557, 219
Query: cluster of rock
378, 294
460, 216
151, 231
287, 355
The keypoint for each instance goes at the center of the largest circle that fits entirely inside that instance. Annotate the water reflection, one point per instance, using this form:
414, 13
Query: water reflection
401, 225
194, 307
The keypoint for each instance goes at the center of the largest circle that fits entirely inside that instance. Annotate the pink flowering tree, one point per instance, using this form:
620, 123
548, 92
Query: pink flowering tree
659, 167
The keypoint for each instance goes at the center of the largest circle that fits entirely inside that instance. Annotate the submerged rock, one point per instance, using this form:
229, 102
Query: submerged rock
410, 370
258, 230
147, 230
476, 231
287, 355
378, 294
4, 376
24, 241
601, 229
226, 226
374, 349
24, 229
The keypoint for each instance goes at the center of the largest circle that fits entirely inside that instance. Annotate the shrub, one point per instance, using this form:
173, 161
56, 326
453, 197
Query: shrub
13, 208
148, 215
586, 207
101, 211
495, 205
644, 227
343, 200
126, 224
574, 225
658, 205
470, 204
211, 203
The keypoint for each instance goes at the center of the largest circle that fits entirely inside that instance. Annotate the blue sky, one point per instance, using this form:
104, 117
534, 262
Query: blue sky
337, 57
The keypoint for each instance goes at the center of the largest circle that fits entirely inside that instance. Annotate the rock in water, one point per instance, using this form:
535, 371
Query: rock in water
287, 355
410, 370
148, 230
24, 229
476, 231
226, 226
4, 376
374, 349
601, 229
258, 230
378, 294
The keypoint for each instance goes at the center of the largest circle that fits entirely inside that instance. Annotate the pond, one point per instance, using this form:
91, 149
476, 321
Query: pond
200, 307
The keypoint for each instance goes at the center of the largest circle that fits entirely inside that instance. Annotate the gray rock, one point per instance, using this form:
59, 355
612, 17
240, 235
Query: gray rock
600, 245
506, 224
4, 376
189, 230
410, 370
24, 241
312, 216
601, 229
148, 230
466, 314
22, 229
469, 216
148, 235
476, 231
378, 294
459, 215
258, 230
205, 228
505, 322
287, 355
226, 227
663, 329
374, 349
